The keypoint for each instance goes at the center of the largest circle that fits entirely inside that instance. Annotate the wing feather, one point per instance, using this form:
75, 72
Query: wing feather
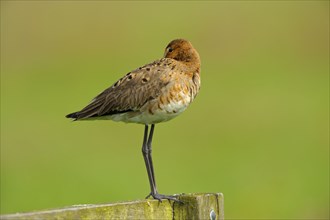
129, 93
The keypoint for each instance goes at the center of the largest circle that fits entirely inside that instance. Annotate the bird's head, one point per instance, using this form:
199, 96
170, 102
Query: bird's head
182, 50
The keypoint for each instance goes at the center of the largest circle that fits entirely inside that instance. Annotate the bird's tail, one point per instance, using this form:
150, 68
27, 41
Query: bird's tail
73, 115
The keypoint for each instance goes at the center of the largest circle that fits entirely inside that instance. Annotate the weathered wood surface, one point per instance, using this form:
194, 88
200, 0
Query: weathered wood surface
195, 206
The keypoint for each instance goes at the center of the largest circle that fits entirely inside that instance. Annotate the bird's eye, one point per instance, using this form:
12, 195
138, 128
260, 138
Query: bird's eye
170, 49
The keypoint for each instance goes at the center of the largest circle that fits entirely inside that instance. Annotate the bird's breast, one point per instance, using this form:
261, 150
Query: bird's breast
173, 100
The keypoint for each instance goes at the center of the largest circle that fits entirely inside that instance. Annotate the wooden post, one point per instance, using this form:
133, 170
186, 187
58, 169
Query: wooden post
196, 206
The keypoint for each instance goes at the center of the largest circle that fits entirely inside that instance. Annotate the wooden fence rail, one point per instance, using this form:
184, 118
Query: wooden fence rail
195, 206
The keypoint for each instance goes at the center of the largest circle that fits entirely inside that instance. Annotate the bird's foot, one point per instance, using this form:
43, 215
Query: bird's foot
159, 197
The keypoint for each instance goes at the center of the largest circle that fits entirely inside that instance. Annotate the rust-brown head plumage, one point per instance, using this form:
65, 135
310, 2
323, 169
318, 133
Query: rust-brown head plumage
183, 51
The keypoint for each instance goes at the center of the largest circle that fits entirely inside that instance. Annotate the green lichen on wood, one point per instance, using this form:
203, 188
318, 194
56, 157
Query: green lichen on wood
195, 206
200, 206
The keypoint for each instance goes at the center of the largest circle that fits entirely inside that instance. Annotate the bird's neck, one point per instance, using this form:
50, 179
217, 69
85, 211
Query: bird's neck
194, 65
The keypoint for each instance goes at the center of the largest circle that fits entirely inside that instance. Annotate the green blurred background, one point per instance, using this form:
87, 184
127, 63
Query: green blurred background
257, 132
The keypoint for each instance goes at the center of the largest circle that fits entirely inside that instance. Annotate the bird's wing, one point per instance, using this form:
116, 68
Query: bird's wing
130, 92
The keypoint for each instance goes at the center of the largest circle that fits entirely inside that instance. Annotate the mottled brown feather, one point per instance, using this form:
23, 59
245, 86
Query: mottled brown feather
129, 94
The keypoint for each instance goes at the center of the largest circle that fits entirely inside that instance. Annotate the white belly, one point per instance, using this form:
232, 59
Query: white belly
157, 115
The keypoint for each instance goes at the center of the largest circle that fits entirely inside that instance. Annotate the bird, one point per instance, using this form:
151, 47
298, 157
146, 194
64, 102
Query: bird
154, 93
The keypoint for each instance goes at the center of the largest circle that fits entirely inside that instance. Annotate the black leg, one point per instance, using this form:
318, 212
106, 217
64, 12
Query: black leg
146, 151
149, 156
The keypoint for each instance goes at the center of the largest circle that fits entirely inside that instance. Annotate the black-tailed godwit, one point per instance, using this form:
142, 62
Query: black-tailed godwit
154, 93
